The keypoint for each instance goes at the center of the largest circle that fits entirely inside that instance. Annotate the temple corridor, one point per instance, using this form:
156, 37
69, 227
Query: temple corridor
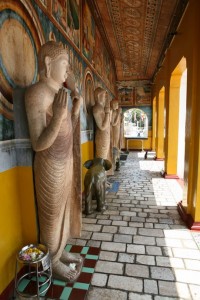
146, 250
129, 83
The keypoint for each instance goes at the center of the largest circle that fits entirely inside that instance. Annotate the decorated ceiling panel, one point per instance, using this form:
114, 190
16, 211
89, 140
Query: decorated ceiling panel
138, 33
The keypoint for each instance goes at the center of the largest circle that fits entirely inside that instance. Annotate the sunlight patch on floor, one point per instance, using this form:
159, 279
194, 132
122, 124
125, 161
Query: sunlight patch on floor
167, 191
175, 188
151, 165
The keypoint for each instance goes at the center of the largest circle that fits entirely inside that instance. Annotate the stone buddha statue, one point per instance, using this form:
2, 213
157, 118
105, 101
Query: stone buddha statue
53, 118
116, 126
101, 113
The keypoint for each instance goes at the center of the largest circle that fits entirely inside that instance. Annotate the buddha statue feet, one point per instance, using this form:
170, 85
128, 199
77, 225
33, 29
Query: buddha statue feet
68, 257
65, 272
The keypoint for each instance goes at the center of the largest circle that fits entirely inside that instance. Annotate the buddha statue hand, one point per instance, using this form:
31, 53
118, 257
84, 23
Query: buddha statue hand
77, 102
107, 109
60, 103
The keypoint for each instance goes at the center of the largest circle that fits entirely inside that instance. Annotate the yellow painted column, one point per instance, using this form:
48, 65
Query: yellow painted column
194, 174
196, 216
160, 125
197, 204
172, 129
154, 121
193, 195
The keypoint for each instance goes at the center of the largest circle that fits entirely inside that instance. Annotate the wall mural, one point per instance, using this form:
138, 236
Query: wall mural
59, 12
88, 40
94, 49
77, 63
44, 2
98, 53
18, 65
137, 95
18, 60
21, 36
106, 66
6, 119
24, 28
126, 96
143, 95
73, 21
67, 15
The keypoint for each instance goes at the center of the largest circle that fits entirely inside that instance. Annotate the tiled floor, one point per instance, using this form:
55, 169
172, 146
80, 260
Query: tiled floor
147, 253
59, 289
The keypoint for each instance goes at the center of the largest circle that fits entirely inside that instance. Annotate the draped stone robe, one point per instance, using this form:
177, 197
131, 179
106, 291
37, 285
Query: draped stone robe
57, 190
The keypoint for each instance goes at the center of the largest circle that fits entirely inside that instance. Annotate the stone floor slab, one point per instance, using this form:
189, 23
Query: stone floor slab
125, 283
147, 252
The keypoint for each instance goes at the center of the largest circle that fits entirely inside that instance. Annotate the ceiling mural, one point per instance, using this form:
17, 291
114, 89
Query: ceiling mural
137, 33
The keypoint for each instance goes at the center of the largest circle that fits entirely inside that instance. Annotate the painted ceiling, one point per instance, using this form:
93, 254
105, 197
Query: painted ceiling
138, 33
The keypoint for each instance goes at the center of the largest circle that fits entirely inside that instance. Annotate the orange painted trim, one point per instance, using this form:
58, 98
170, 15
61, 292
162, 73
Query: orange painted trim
159, 159
170, 176
187, 218
195, 226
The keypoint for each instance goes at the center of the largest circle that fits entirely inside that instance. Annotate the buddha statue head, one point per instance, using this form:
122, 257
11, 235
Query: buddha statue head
53, 59
100, 96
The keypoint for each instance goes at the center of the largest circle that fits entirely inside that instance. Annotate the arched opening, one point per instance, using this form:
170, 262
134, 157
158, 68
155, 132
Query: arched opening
176, 115
89, 101
135, 123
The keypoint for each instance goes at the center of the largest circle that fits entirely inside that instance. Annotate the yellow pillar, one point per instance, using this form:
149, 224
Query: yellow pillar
196, 216
193, 208
197, 126
154, 117
190, 208
172, 127
160, 125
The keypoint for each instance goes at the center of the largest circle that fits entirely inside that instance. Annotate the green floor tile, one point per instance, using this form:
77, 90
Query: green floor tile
42, 289
59, 282
68, 248
41, 279
82, 286
66, 293
89, 256
23, 284
85, 250
87, 270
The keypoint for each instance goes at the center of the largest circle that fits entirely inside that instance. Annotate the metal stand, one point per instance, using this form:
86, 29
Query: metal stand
39, 271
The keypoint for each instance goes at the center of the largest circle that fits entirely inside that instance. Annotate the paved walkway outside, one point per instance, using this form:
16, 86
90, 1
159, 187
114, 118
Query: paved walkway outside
147, 253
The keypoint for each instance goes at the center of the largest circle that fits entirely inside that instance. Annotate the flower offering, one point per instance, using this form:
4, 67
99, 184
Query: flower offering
31, 254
